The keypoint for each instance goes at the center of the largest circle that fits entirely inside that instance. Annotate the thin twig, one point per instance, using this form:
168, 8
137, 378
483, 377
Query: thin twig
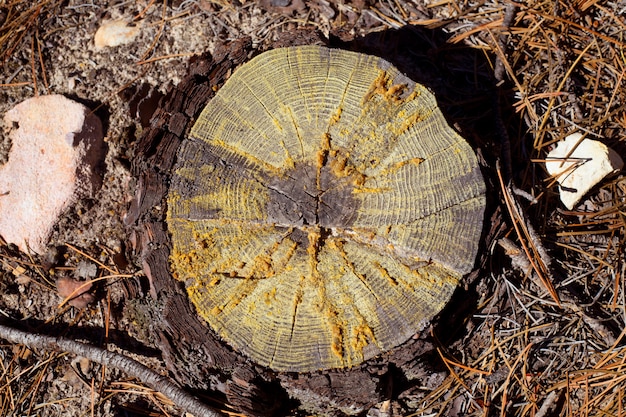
118, 361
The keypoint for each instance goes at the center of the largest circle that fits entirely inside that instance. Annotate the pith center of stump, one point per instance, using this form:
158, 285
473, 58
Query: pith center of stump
314, 196
321, 210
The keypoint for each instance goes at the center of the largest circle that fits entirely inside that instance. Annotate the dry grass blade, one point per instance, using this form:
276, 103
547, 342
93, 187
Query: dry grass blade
19, 386
159, 33
529, 241
602, 387
484, 27
158, 58
539, 143
91, 258
452, 363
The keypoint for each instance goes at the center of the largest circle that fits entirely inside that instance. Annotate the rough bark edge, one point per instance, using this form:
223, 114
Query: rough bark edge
192, 352
194, 358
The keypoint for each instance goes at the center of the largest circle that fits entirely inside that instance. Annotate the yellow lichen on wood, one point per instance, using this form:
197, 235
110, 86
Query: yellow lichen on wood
395, 167
361, 337
316, 221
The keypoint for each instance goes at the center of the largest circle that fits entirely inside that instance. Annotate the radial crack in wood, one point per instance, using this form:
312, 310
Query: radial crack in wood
322, 211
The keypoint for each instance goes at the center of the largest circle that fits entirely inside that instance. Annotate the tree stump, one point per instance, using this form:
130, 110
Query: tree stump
316, 226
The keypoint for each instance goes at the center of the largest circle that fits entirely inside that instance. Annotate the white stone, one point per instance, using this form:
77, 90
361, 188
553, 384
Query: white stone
585, 166
57, 148
115, 33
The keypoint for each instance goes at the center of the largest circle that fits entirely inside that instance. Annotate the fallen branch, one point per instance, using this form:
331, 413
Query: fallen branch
125, 364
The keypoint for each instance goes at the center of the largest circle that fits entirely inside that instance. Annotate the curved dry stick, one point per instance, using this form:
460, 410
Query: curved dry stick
160, 383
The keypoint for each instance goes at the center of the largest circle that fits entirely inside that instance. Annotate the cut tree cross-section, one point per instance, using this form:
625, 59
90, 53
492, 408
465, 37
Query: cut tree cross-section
321, 210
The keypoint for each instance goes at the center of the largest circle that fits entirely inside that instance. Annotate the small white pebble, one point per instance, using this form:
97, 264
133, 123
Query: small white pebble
115, 33
585, 167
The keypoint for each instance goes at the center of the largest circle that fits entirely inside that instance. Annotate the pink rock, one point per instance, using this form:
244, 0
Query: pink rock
57, 147
75, 292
